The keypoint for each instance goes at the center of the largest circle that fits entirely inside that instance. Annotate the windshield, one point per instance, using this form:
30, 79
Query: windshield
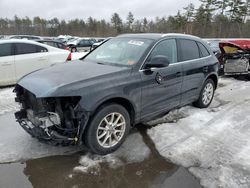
120, 51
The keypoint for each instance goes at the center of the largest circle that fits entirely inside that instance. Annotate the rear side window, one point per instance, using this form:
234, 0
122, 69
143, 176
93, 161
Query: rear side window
203, 50
22, 48
5, 49
188, 50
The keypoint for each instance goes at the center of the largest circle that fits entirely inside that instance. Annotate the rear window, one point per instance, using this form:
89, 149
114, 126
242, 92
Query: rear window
22, 48
203, 50
188, 50
5, 49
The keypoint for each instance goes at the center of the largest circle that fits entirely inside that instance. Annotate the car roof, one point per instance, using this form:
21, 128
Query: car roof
42, 40
28, 42
157, 36
18, 41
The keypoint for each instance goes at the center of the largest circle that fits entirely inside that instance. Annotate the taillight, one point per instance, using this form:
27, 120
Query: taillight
69, 58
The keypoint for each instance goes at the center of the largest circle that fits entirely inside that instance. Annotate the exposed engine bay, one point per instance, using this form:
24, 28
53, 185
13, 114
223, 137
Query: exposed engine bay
56, 120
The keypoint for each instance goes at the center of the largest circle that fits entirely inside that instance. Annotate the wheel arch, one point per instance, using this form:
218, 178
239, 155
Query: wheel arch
127, 104
213, 77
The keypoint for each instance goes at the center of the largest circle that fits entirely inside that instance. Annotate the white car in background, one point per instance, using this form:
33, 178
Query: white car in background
19, 57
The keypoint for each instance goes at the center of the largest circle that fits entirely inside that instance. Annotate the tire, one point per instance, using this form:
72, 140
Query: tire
248, 76
208, 90
110, 136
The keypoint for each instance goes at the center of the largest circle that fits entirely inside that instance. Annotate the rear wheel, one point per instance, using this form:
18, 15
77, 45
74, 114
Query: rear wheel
206, 95
108, 129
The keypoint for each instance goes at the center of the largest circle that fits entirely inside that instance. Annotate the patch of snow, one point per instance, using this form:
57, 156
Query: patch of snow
7, 101
212, 143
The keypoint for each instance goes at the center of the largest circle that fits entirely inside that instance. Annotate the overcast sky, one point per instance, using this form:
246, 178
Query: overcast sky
99, 9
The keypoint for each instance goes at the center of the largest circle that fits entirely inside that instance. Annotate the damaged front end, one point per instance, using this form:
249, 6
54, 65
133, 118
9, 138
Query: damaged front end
235, 57
56, 120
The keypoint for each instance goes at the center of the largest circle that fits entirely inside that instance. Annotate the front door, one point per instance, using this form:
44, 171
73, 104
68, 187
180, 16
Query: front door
161, 87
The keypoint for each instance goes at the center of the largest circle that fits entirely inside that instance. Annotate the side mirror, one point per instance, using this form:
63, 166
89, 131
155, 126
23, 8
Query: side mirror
158, 61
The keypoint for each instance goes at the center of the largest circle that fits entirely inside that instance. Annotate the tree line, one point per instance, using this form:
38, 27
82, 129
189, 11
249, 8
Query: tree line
213, 18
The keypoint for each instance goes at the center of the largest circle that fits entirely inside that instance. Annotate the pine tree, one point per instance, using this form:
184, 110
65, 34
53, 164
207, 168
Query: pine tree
130, 20
116, 22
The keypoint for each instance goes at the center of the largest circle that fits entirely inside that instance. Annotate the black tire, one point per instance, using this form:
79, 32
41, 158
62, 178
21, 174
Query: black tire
91, 140
200, 103
248, 76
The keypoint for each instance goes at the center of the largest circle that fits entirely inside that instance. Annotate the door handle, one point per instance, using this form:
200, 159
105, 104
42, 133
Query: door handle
178, 74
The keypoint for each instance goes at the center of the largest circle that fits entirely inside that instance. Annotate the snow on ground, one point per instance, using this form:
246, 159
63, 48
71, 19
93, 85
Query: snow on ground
125, 154
7, 102
212, 143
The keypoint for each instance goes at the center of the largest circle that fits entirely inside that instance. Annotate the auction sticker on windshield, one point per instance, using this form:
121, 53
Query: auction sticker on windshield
137, 43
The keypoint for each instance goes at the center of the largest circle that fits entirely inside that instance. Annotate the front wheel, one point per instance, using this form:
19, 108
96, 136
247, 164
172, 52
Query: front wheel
206, 95
108, 129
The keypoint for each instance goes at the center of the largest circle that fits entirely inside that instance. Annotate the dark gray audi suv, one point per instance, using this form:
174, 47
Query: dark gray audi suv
129, 79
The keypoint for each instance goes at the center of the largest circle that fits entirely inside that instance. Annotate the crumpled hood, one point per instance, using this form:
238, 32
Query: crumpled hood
44, 82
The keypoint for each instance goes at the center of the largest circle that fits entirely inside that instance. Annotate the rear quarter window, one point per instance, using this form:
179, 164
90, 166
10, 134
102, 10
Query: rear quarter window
203, 50
41, 49
188, 50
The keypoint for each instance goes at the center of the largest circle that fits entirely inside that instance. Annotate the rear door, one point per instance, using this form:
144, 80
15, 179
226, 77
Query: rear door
29, 57
194, 67
7, 66
161, 87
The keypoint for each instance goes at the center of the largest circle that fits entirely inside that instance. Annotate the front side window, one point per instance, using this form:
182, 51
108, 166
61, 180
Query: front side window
5, 49
23, 48
188, 50
166, 48
120, 51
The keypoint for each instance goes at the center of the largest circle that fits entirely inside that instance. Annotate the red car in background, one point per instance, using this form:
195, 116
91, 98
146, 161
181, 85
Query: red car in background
235, 56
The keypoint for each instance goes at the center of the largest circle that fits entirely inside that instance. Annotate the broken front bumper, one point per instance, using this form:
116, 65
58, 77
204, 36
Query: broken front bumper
50, 134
